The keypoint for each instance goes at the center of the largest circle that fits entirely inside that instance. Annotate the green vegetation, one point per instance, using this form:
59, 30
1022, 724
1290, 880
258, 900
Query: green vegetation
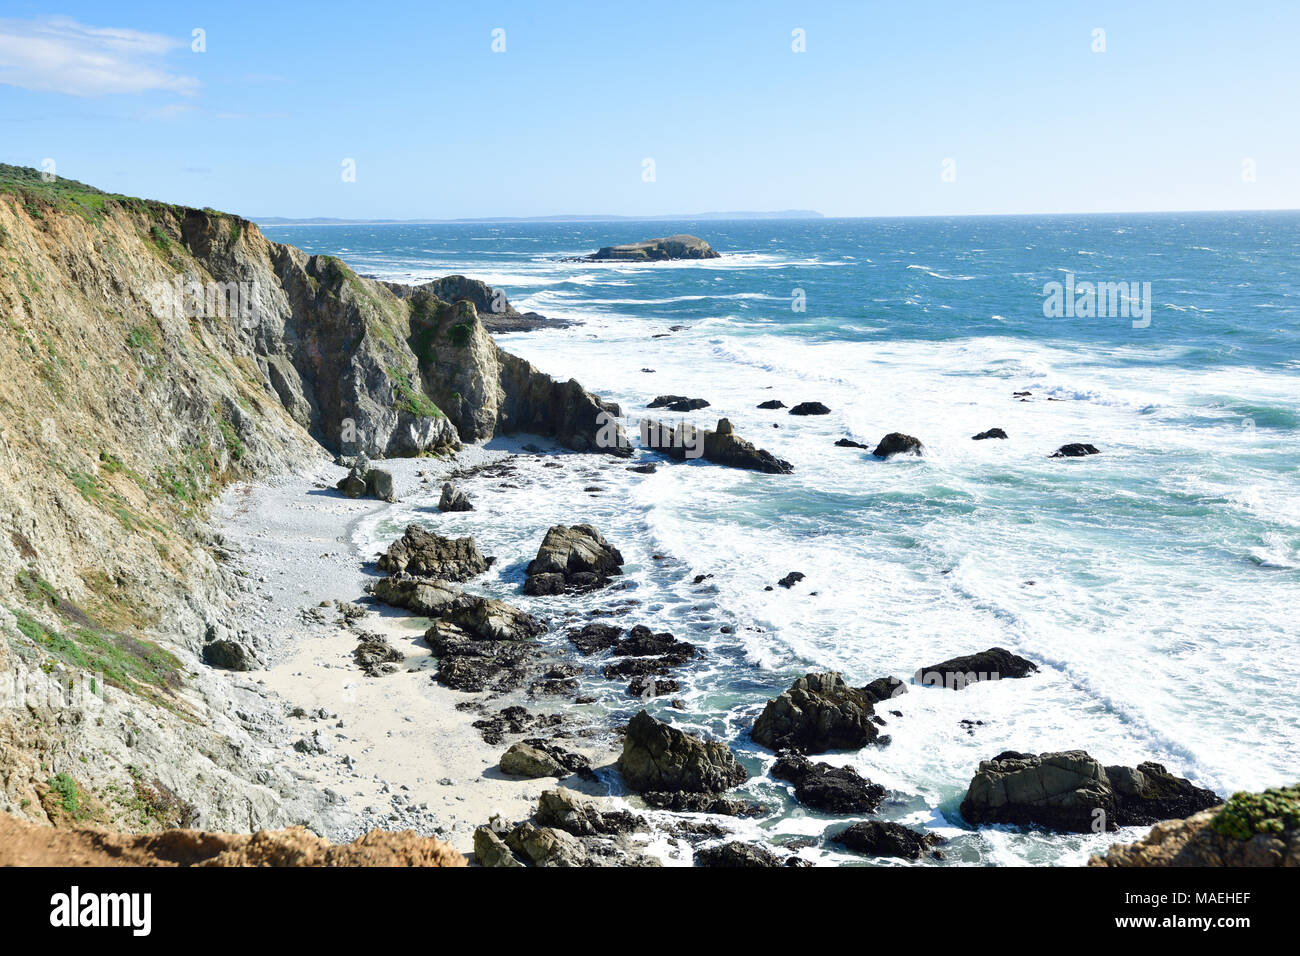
159, 239
142, 338
39, 196
66, 789
410, 400
228, 434
460, 334
1274, 811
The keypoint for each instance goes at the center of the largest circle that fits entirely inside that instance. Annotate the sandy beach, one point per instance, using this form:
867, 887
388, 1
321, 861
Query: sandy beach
396, 748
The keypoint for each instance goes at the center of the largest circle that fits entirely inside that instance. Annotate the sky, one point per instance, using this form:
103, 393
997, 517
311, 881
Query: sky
483, 109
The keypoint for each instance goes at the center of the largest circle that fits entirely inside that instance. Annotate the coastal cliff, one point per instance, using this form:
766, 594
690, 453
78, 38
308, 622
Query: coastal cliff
154, 354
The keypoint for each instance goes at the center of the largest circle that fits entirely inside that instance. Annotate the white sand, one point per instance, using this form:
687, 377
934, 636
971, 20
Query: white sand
401, 734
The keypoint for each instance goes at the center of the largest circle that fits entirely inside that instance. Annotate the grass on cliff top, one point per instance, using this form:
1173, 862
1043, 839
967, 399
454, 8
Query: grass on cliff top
68, 195
1273, 812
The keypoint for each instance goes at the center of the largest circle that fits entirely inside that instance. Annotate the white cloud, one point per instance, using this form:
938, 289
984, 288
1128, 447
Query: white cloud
58, 55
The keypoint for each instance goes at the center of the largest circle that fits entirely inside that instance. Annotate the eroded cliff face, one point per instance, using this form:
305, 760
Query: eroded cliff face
152, 354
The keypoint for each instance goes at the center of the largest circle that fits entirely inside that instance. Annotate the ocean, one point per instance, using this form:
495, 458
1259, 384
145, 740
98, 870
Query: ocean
1156, 585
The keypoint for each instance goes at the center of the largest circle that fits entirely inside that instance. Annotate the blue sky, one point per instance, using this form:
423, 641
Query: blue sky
1185, 97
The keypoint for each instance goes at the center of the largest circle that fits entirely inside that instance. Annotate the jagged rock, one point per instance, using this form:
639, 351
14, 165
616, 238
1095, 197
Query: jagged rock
523, 760
579, 554
850, 443
680, 801
453, 499
424, 554
595, 637
646, 686
491, 850
810, 408
884, 838
1075, 450
991, 433
994, 664
363, 481
539, 585
737, 854
376, 656
680, 246
563, 809
818, 713
771, 403
1071, 791
379, 484
658, 757
642, 642
791, 579
896, 443
567, 760
820, 786
229, 655
721, 446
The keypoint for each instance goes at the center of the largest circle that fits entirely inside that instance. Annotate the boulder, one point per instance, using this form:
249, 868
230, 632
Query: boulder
540, 585
564, 809
810, 408
595, 637
994, 664
659, 757
1075, 450
680, 246
884, 838
523, 760
737, 854
771, 403
424, 554
820, 786
991, 433
579, 554
453, 499
229, 655
648, 685
818, 713
379, 484
884, 688
850, 443
791, 579
491, 850
896, 443
362, 481
679, 801
1071, 791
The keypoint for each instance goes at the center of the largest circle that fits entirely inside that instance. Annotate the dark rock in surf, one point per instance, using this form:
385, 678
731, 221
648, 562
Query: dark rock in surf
791, 579
453, 499
994, 664
810, 408
659, 757
818, 713
850, 443
991, 433
820, 786
896, 443
737, 854
424, 554
1075, 450
579, 554
884, 838
771, 403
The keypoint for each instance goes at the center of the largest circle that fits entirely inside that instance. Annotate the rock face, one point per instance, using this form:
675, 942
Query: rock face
523, 760
818, 713
991, 433
994, 664
1075, 450
810, 408
883, 838
655, 250
1252, 829
721, 446
820, 786
576, 557
896, 443
1071, 791
424, 554
453, 499
658, 757
229, 655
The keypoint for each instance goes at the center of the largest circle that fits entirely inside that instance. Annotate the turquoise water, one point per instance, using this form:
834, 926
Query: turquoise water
1156, 584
